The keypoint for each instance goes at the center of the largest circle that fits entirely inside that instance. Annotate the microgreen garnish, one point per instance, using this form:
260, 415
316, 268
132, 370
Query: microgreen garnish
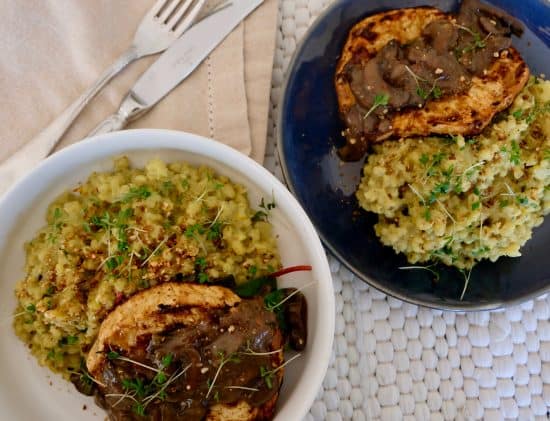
103, 221
200, 262
417, 194
254, 286
115, 228
167, 186
214, 231
422, 92
466, 282
113, 355
440, 188
250, 389
157, 249
530, 115
518, 114
141, 192
446, 250
193, 230
428, 268
166, 360
250, 351
30, 310
427, 214
113, 262
436, 160
142, 393
56, 225
522, 200
477, 42
223, 361
515, 153
424, 159
380, 99
57, 213
265, 208
275, 299
268, 375
185, 184
68, 340
480, 251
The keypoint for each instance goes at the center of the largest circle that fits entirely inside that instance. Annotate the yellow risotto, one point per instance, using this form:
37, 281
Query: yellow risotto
460, 200
127, 230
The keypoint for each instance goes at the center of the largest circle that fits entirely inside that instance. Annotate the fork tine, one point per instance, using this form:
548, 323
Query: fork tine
180, 23
179, 13
157, 7
165, 14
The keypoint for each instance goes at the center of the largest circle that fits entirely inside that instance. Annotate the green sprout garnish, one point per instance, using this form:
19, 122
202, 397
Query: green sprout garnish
380, 99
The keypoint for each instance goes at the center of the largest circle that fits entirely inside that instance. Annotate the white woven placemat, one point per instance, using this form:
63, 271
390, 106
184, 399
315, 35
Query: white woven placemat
396, 361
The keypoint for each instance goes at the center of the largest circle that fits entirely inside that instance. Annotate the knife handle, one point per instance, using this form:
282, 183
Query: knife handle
110, 124
130, 109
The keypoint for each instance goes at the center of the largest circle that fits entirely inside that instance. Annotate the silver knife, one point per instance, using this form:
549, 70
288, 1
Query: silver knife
176, 63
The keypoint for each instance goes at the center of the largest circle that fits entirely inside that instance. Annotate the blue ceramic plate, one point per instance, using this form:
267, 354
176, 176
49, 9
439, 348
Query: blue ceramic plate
309, 127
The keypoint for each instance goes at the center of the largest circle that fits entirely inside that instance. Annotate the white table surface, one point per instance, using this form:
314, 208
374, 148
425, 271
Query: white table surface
396, 361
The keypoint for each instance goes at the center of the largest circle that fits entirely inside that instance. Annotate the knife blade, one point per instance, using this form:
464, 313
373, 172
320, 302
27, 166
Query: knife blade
176, 63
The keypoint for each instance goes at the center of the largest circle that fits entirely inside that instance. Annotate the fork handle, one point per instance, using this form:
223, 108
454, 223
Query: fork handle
111, 124
40, 146
130, 108
49, 137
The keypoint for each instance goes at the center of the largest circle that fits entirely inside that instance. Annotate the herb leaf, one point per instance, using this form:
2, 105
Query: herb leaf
380, 99
265, 208
424, 159
112, 355
141, 192
515, 153
254, 286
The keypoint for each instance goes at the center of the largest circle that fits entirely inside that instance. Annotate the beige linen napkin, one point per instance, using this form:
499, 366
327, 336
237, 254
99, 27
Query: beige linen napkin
52, 50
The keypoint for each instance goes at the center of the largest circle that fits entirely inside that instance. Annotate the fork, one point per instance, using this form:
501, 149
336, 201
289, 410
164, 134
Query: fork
159, 28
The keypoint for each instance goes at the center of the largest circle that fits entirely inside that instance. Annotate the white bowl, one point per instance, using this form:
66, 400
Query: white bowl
28, 391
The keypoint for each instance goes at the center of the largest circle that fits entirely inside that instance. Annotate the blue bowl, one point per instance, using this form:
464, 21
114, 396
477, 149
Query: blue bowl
308, 129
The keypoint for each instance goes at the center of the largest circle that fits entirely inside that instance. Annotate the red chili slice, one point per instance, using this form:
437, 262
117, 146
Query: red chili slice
290, 269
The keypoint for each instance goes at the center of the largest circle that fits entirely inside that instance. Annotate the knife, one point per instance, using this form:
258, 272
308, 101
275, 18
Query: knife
176, 63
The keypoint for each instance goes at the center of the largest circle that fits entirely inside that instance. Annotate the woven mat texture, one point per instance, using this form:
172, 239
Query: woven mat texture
396, 361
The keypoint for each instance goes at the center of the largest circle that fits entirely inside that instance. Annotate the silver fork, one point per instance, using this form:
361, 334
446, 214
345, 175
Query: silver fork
159, 28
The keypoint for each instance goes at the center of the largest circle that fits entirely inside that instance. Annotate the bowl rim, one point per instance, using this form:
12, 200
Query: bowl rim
290, 70
115, 143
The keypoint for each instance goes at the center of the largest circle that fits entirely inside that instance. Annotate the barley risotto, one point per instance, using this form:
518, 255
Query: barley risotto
128, 230
459, 200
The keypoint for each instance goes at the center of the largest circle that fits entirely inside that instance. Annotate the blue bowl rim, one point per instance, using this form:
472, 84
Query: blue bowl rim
497, 304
